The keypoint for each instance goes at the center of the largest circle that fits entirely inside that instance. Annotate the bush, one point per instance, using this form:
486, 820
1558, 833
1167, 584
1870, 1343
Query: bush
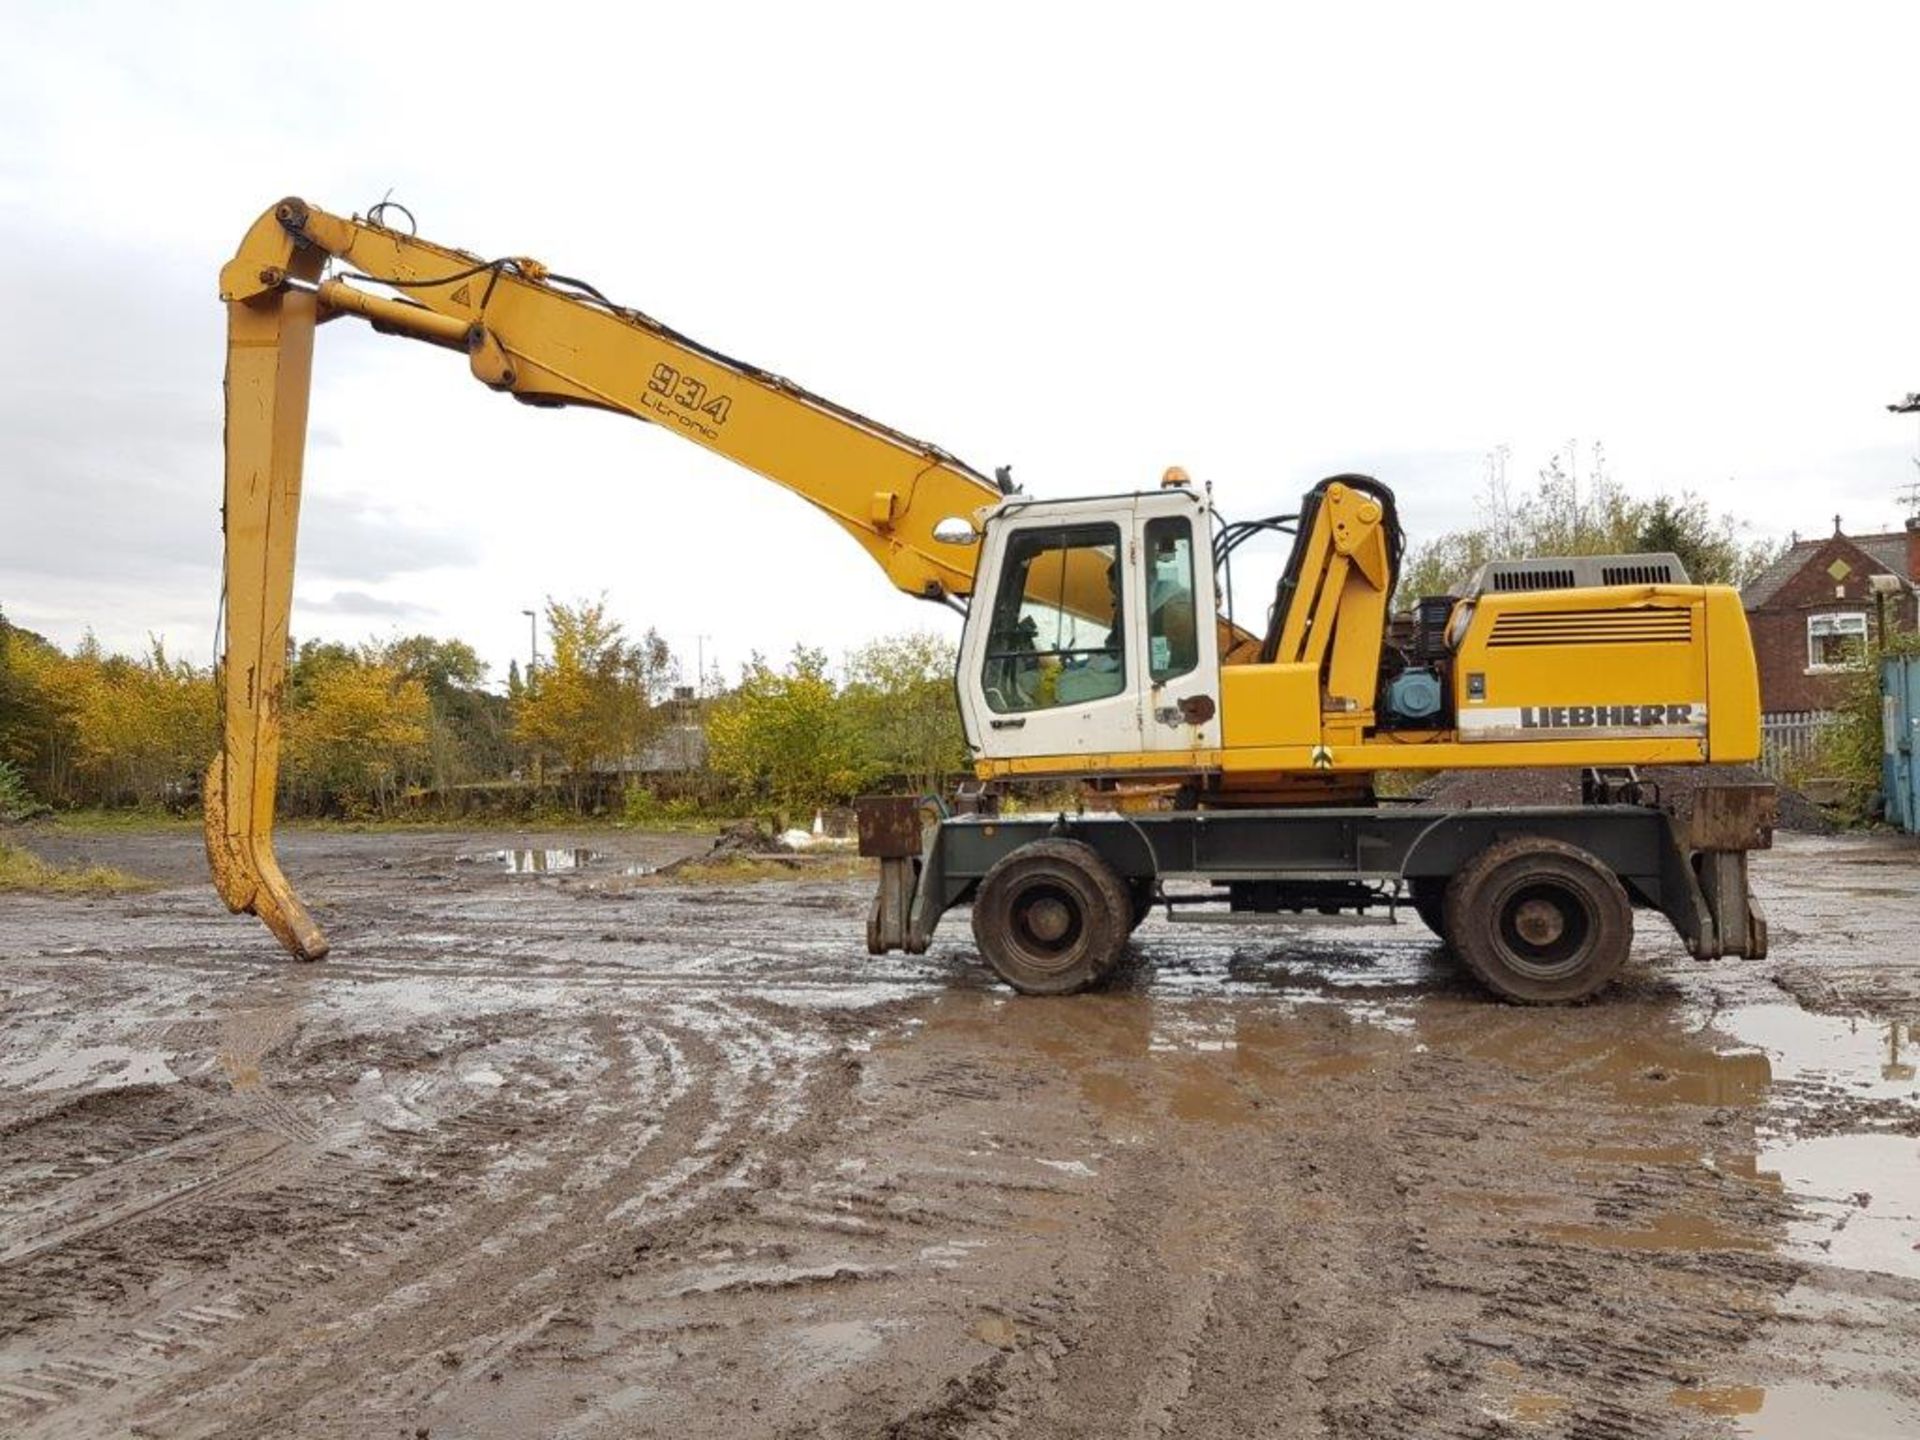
640, 806
786, 739
16, 801
1852, 747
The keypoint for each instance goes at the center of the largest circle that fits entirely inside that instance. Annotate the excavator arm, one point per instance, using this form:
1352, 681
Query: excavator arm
548, 341
1331, 610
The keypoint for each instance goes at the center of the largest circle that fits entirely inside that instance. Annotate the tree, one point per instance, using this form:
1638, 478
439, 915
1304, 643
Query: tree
468, 728
360, 728
901, 695
1568, 513
97, 729
36, 730
1714, 552
591, 705
787, 737
312, 659
145, 726
443, 667
93, 728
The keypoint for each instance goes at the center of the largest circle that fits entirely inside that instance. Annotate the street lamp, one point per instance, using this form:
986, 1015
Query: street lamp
533, 643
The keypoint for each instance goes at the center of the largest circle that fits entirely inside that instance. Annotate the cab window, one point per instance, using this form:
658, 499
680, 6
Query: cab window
1173, 629
1056, 636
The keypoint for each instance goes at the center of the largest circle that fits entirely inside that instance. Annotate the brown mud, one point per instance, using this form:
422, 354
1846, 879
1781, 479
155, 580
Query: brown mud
544, 1150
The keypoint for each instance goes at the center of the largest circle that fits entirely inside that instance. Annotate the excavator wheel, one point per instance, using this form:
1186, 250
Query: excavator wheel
1052, 917
1428, 895
1538, 921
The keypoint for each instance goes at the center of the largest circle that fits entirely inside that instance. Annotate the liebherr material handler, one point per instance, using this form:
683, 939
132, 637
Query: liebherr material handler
1094, 652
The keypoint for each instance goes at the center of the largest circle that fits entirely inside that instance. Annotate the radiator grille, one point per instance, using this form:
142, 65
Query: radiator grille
1507, 580
1654, 572
1649, 625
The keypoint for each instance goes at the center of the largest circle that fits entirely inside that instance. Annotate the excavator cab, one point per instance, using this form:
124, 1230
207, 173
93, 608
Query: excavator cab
1098, 637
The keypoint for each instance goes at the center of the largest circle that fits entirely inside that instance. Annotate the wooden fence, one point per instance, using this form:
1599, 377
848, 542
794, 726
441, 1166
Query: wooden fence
1791, 740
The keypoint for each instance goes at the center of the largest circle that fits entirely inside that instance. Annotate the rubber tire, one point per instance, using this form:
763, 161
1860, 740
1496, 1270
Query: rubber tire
1140, 897
1482, 889
1427, 894
1099, 908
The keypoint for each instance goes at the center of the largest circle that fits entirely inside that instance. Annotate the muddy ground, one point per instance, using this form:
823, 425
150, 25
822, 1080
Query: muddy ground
573, 1151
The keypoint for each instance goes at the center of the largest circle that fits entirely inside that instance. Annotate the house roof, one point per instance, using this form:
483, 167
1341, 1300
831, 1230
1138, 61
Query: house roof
1888, 550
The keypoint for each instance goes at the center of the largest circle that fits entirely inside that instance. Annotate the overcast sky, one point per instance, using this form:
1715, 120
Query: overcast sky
1266, 243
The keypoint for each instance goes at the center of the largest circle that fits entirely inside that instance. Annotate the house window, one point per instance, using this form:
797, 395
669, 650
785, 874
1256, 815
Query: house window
1836, 641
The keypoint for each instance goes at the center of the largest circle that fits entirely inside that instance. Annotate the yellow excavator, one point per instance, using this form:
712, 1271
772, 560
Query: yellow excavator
1226, 772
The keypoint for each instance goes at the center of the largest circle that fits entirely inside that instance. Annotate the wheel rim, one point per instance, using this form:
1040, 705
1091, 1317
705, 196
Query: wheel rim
1047, 921
1546, 927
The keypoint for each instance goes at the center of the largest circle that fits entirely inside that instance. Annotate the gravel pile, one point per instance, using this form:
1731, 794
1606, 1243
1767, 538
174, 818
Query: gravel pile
745, 837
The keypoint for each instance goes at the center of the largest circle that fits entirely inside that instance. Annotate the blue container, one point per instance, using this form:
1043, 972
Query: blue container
1899, 729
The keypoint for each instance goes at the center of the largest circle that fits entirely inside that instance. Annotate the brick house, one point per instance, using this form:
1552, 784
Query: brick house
1814, 610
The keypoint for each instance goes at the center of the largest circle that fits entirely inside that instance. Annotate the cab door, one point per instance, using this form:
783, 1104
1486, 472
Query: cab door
1050, 660
1175, 633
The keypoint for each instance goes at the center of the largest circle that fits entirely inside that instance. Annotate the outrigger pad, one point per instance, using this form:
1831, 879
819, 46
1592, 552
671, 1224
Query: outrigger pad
889, 826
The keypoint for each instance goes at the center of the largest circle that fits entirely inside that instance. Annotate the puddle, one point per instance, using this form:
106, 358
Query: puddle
1722, 1400
1537, 1407
1861, 1200
995, 1330
556, 860
1492, 1201
812, 1351
247, 1034
1675, 1230
1131, 1055
1526, 1408
544, 862
1802, 1411
90, 1067
1875, 1059
1683, 1155
1634, 1056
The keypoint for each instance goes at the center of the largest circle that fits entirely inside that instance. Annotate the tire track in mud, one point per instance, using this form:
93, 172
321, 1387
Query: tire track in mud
1319, 1272
87, 1206
718, 1129
626, 1165
356, 1216
694, 1099
765, 1314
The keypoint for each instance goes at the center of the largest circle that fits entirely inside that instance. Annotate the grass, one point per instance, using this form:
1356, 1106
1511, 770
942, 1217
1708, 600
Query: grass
22, 871
121, 821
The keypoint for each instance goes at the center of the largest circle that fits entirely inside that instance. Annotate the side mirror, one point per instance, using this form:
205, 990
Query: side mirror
956, 530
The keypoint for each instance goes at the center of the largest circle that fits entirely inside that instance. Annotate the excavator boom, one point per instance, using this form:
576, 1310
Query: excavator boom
546, 340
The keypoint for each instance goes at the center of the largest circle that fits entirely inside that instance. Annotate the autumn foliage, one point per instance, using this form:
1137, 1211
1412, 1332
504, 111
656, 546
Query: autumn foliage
407, 724
92, 728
